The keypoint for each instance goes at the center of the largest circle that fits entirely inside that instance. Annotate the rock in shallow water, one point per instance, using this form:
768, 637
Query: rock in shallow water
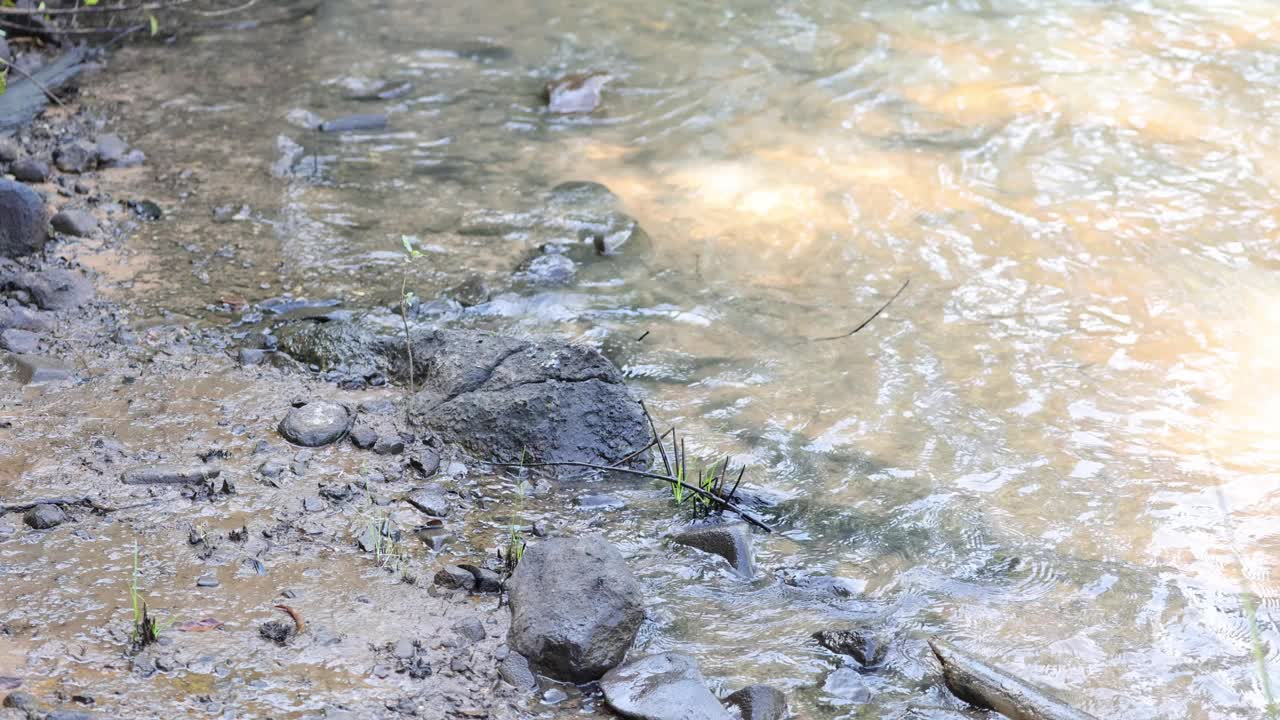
759, 702
731, 541
316, 423
22, 220
575, 607
860, 645
667, 686
502, 397
992, 688
166, 474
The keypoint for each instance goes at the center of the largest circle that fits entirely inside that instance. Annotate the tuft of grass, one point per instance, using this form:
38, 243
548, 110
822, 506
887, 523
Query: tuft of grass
146, 629
712, 481
515, 535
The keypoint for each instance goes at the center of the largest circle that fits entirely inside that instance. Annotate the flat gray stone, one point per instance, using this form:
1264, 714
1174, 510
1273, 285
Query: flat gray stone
432, 500
168, 474
514, 668
759, 702
23, 342
36, 370
666, 686
316, 423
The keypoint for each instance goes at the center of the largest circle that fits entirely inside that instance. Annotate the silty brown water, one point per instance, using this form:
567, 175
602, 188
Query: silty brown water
1057, 448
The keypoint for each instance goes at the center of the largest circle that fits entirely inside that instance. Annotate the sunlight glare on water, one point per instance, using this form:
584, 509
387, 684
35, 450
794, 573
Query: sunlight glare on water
1030, 452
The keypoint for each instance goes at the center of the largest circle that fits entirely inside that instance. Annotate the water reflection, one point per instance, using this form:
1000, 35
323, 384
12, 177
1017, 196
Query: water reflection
1027, 452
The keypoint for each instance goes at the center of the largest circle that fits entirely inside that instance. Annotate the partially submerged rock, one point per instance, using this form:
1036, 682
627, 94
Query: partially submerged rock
353, 123
575, 608
731, 541
506, 398
667, 686
576, 93
991, 688
22, 220
316, 423
759, 702
861, 645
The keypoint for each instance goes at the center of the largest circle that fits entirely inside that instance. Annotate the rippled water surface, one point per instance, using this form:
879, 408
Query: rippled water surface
1058, 447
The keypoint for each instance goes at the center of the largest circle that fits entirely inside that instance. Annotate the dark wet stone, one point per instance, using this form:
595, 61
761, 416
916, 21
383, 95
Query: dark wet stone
388, 445
30, 170
76, 223
759, 702
354, 123
577, 93
434, 538
452, 576
166, 474
834, 586
9, 150
426, 463
575, 607
37, 370
554, 696
22, 220
363, 436
23, 342
51, 288
333, 345
145, 210
315, 424
731, 541
470, 629
111, 149
861, 645
207, 581
487, 581
502, 397
43, 517
76, 157
432, 500
514, 668
667, 686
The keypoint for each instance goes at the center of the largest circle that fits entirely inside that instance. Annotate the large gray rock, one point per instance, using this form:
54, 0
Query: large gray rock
667, 686
731, 541
503, 398
43, 517
316, 423
759, 702
77, 223
49, 289
22, 220
575, 608
76, 157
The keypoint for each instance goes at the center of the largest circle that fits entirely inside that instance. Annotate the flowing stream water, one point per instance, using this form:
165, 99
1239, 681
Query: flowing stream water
1057, 448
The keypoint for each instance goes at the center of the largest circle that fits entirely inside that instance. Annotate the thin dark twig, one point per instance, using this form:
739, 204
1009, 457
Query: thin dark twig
866, 322
39, 85
654, 429
642, 473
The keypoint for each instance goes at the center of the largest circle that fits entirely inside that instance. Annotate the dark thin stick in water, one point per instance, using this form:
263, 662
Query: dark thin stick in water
642, 337
866, 322
734, 491
652, 442
654, 429
641, 473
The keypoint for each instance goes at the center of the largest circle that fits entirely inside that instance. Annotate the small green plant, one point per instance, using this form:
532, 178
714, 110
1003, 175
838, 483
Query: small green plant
701, 488
515, 535
146, 629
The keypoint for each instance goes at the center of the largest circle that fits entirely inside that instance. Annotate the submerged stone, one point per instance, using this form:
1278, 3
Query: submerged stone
731, 541
667, 686
759, 702
577, 93
316, 423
